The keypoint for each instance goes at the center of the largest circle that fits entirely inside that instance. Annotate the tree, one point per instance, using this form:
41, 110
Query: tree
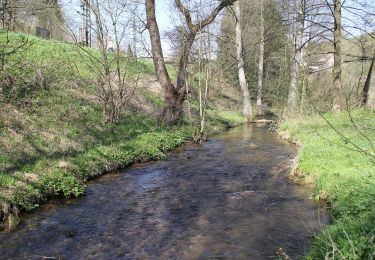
129, 52
86, 31
175, 38
175, 94
246, 105
114, 84
297, 57
337, 85
368, 97
275, 59
261, 60
203, 96
10, 45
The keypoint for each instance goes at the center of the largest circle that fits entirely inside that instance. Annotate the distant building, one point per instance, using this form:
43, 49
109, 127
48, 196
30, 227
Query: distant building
110, 45
42, 18
322, 64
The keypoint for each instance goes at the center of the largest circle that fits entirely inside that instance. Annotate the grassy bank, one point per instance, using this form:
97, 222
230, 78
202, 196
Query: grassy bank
342, 175
52, 136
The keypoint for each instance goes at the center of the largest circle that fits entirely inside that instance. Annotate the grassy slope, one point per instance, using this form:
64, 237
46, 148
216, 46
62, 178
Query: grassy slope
345, 178
52, 139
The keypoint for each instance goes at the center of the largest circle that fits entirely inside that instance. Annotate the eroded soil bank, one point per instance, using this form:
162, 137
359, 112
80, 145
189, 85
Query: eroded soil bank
230, 198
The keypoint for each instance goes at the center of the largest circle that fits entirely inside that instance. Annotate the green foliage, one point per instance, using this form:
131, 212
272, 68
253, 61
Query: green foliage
39, 64
155, 100
25, 196
344, 176
61, 183
52, 136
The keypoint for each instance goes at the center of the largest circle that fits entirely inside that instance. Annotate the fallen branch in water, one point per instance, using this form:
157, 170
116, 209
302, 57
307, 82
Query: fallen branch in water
264, 121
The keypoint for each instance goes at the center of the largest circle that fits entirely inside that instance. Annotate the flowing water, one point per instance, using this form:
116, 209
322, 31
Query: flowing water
228, 199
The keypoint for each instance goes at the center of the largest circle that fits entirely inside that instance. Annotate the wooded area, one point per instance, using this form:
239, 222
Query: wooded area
127, 80
284, 43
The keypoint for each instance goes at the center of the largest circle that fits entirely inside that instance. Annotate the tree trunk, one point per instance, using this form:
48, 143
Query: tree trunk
246, 109
261, 61
305, 83
297, 59
371, 94
174, 96
368, 97
172, 111
104, 78
86, 24
337, 88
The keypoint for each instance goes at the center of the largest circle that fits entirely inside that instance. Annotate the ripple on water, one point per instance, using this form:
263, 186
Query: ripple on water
224, 200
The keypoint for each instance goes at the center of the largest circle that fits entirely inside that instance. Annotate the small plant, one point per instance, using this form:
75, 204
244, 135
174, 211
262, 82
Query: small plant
59, 183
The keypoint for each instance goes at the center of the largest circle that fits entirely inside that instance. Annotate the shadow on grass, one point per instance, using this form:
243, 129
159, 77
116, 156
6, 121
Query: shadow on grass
130, 127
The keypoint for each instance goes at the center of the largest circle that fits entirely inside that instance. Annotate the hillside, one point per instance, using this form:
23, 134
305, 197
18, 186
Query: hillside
52, 137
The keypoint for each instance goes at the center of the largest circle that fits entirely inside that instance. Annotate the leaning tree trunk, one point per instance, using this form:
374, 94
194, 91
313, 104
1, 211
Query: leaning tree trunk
172, 111
261, 61
297, 59
337, 88
246, 109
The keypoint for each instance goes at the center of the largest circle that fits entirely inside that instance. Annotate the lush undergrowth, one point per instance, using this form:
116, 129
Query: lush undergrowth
52, 136
341, 163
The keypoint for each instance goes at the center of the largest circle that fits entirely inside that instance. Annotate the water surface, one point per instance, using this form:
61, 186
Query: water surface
227, 199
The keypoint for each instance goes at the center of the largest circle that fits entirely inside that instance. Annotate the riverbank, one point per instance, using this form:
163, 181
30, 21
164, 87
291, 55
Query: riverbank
65, 176
338, 161
224, 199
52, 135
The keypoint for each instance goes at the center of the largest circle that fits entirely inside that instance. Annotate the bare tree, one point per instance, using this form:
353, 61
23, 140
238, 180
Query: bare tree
368, 97
175, 94
203, 93
261, 61
297, 57
86, 30
337, 85
10, 45
114, 84
246, 105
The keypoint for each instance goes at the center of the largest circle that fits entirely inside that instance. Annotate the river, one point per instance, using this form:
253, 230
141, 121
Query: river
228, 199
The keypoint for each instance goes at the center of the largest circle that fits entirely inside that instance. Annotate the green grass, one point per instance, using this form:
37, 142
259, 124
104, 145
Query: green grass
343, 176
52, 137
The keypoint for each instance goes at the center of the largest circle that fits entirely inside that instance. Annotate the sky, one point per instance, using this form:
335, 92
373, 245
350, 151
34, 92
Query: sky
167, 19
165, 16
